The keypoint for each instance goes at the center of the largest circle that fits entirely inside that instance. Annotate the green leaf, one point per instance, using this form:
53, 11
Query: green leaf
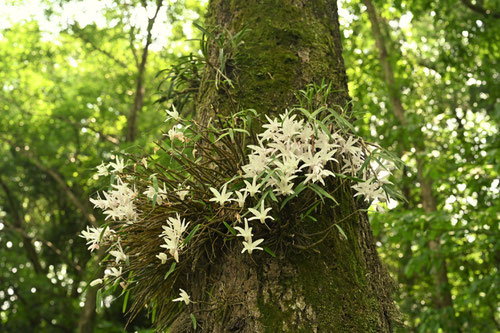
341, 231
273, 197
320, 190
365, 163
155, 186
319, 110
155, 197
304, 111
111, 182
153, 315
125, 300
312, 218
191, 234
171, 270
340, 175
241, 131
103, 231
193, 319
312, 208
301, 187
268, 250
392, 192
323, 127
341, 121
155, 183
98, 302
230, 228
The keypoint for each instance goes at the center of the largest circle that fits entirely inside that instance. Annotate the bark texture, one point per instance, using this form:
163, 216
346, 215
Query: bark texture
339, 285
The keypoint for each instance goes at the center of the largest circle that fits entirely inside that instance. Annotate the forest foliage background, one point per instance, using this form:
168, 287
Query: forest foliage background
74, 73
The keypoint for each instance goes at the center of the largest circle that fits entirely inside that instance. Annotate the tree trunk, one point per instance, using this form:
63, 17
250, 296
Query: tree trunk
18, 224
339, 285
141, 70
87, 317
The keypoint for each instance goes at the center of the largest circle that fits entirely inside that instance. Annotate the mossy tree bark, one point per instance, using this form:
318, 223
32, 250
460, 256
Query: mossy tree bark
340, 284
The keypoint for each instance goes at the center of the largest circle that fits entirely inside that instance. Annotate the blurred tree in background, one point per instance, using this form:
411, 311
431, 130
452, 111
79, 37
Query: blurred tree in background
425, 73
70, 98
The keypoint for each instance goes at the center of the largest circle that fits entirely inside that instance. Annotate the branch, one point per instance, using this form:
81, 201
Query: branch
132, 47
139, 91
107, 137
19, 224
78, 33
480, 10
83, 207
394, 96
47, 243
88, 312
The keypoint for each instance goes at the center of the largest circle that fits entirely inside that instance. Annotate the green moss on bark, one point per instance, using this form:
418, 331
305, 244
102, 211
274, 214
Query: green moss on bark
332, 282
289, 44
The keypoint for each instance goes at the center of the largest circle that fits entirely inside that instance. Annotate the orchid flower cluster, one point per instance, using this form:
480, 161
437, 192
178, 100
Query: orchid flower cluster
295, 151
292, 154
118, 204
172, 236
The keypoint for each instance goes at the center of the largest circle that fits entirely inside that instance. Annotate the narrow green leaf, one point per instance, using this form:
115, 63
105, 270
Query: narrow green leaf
312, 208
170, 271
301, 187
365, 164
323, 127
155, 186
305, 112
155, 183
191, 234
153, 315
241, 131
268, 250
341, 231
340, 175
312, 218
392, 192
319, 189
230, 228
98, 302
273, 197
193, 319
103, 231
155, 197
320, 109
111, 181
125, 300
341, 121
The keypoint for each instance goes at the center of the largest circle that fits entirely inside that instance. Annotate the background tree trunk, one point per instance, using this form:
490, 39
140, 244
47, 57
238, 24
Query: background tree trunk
86, 321
442, 286
338, 286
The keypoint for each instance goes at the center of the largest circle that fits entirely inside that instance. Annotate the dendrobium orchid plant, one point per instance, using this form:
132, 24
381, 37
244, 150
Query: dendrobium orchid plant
228, 180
